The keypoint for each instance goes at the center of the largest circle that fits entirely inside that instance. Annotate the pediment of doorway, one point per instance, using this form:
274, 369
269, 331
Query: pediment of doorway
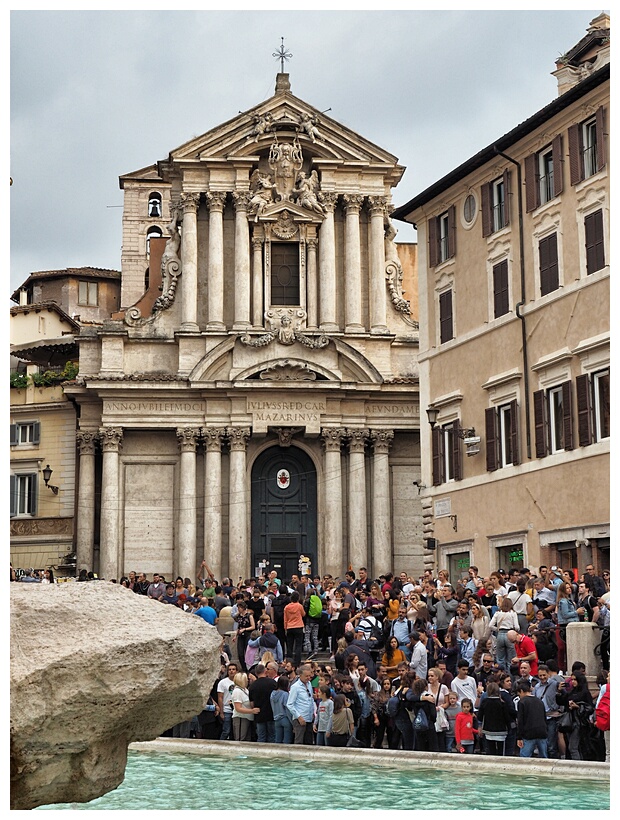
233, 362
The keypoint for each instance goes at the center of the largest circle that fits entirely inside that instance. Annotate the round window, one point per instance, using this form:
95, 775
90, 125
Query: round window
469, 208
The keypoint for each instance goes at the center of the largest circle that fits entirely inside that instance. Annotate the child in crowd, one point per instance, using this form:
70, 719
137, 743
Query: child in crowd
451, 710
465, 729
324, 713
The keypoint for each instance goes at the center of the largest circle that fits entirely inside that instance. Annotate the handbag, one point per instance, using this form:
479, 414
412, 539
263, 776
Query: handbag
565, 724
441, 722
354, 743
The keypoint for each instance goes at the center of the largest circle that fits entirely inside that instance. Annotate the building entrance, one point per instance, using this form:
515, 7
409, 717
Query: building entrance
284, 500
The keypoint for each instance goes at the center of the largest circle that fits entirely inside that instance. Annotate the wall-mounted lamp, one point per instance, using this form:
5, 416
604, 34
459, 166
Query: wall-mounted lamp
463, 432
432, 413
419, 486
47, 474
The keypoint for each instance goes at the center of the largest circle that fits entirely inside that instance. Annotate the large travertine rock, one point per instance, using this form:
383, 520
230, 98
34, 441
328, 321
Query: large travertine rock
93, 668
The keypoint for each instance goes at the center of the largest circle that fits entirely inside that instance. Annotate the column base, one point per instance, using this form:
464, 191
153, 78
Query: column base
380, 330
329, 327
242, 326
215, 326
354, 328
189, 327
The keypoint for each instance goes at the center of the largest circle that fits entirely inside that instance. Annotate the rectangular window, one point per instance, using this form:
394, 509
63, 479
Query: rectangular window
543, 175
442, 237
447, 462
593, 407
548, 261
87, 294
556, 419
595, 242
25, 433
284, 273
446, 324
502, 432
600, 389
500, 289
586, 147
553, 419
23, 493
495, 204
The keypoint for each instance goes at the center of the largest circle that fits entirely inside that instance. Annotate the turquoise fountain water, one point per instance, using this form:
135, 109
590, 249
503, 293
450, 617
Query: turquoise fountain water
169, 780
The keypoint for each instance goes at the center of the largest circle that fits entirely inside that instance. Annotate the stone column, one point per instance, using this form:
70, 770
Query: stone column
242, 261
257, 283
85, 531
186, 557
312, 294
327, 265
378, 299
332, 533
352, 265
358, 551
238, 551
213, 499
216, 201
111, 442
381, 512
189, 253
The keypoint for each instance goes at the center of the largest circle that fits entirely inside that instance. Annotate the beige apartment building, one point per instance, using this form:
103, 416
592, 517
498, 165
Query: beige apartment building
514, 336
254, 401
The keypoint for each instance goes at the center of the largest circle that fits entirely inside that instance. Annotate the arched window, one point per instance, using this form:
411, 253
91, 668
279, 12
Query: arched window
155, 204
153, 233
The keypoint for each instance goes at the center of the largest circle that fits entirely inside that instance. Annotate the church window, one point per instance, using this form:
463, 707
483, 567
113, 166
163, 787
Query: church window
285, 273
152, 233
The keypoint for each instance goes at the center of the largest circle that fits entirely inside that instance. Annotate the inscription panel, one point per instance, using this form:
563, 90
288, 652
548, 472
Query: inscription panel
152, 411
300, 411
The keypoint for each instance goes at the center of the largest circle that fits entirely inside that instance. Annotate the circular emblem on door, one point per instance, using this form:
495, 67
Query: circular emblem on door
284, 479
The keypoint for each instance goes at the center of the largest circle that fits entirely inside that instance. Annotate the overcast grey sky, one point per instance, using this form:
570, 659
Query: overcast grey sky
98, 94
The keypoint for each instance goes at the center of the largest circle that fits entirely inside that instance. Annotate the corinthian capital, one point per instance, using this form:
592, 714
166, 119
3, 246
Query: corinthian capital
87, 441
216, 200
241, 200
187, 437
377, 205
357, 440
188, 202
333, 438
111, 439
213, 437
381, 440
328, 200
238, 437
352, 203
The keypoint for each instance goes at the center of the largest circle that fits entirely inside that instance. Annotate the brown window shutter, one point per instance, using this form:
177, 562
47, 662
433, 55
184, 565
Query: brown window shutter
446, 324
601, 159
531, 183
433, 255
457, 459
451, 231
514, 431
595, 242
540, 427
558, 165
574, 154
487, 209
507, 196
567, 413
584, 410
500, 288
490, 426
548, 260
437, 439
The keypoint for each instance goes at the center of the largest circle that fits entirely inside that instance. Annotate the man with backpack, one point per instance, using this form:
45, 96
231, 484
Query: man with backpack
401, 628
313, 607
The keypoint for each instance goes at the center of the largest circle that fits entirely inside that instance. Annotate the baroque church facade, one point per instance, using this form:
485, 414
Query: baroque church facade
254, 402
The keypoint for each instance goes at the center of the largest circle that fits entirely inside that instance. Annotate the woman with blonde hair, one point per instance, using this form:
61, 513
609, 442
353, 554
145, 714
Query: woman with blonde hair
443, 578
479, 621
243, 711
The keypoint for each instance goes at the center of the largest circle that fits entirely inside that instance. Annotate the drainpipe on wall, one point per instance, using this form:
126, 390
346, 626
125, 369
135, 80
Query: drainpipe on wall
521, 303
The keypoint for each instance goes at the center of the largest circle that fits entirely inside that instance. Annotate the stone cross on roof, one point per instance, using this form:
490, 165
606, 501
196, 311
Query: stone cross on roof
282, 54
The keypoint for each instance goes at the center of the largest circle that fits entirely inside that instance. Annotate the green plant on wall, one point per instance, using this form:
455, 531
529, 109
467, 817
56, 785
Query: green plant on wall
46, 379
19, 380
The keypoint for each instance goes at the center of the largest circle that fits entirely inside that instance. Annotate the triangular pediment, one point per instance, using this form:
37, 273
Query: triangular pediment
285, 211
247, 135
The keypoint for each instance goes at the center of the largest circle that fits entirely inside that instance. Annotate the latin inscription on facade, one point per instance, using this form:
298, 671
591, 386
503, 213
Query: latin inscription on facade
391, 410
153, 410
294, 412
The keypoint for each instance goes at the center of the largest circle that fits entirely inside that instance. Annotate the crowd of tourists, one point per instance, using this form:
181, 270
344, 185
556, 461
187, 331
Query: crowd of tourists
474, 666
415, 664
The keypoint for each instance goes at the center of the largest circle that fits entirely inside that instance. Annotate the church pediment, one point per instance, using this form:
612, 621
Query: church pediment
284, 116
285, 215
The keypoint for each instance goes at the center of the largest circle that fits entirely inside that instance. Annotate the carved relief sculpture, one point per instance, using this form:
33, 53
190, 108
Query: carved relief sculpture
262, 187
288, 371
285, 325
262, 124
285, 160
309, 125
285, 227
306, 190
394, 275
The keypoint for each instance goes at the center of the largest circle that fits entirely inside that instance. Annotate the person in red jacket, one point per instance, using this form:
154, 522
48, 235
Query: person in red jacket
525, 649
465, 729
